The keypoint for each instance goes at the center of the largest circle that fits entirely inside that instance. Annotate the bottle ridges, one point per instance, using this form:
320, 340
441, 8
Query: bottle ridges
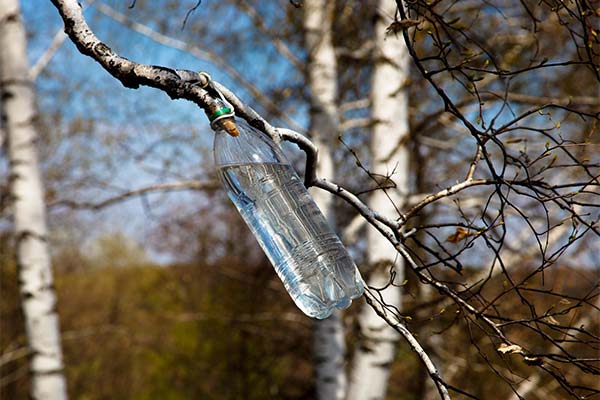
307, 255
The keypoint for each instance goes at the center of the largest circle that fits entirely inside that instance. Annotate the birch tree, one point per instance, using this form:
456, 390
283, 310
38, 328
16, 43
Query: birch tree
374, 356
329, 340
27, 192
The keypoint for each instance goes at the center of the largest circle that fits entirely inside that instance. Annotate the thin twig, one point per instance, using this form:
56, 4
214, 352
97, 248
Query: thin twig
279, 44
159, 188
414, 344
473, 165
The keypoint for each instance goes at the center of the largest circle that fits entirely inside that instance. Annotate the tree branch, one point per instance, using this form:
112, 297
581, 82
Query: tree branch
200, 53
279, 44
354, 105
164, 187
57, 41
177, 84
444, 193
394, 322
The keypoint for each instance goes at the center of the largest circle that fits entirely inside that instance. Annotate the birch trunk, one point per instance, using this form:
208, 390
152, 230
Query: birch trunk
389, 152
329, 341
33, 259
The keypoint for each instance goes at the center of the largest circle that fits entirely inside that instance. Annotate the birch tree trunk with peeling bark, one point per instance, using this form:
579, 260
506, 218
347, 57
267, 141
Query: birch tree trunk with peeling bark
329, 340
375, 354
33, 258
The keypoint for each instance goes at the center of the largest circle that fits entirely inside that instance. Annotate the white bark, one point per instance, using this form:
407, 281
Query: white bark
374, 356
329, 341
35, 274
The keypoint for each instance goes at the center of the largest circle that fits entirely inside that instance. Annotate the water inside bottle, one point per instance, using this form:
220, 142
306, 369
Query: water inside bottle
307, 255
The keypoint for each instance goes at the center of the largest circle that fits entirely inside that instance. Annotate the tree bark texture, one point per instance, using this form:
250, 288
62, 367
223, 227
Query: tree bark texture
390, 158
33, 258
329, 341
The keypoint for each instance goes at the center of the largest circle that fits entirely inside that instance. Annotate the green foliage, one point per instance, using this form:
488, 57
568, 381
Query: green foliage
141, 331
13, 361
188, 331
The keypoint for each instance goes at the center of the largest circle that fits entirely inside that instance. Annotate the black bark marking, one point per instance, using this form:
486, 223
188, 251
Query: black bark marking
6, 94
165, 69
258, 124
25, 234
12, 18
102, 50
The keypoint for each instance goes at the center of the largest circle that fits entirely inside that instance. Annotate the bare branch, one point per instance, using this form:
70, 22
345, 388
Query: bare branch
57, 41
202, 54
164, 187
46, 57
444, 193
354, 105
362, 53
189, 13
473, 165
353, 123
129, 73
542, 100
13, 355
279, 44
414, 344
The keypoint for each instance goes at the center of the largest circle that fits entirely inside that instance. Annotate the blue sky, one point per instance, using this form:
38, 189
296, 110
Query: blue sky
137, 117
77, 87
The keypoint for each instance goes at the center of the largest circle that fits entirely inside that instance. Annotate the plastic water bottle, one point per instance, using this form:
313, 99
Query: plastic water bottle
309, 258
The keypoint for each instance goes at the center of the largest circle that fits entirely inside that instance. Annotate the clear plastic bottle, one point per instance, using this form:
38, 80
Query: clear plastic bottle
309, 258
